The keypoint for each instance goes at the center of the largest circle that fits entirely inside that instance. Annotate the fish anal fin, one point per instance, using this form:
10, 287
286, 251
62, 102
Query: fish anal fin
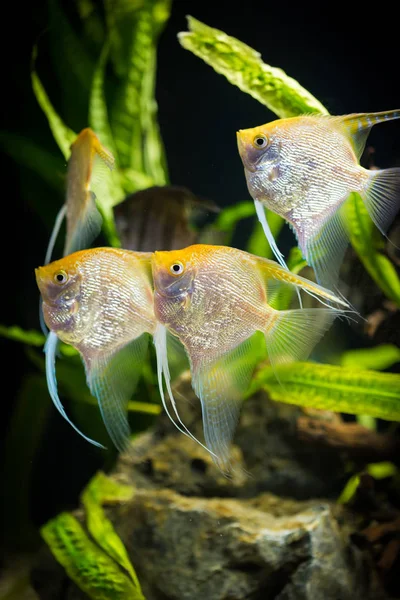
324, 244
220, 386
112, 378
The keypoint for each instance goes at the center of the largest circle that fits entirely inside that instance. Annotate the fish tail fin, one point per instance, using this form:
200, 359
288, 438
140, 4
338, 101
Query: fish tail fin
292, 334
381, 197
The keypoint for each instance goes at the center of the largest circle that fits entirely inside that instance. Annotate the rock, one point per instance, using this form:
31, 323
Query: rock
269, 531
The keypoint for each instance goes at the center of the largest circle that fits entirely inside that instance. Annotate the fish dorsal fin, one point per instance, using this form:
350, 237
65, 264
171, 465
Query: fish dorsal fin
50, 350
163, 374
357, 126
324, 244
220, 386
271, 240
277, 278
112, 378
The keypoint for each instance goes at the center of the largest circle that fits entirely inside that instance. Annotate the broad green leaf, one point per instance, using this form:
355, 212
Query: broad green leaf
378, 358
329, 387
104, 490
95, 573
62, 134
243, 67
134, 28
26, 152
369, 245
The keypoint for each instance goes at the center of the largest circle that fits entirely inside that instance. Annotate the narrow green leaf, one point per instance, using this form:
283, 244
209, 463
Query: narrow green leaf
95, 573
98, 112
334, 388
134, 29
26, 152
378, 358
369, 245
243, 67
31, 337
62, 134
376, 470
104, 490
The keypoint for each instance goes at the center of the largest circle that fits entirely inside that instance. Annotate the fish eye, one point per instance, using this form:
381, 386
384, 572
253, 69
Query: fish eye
260, 141
60, 277
176, 268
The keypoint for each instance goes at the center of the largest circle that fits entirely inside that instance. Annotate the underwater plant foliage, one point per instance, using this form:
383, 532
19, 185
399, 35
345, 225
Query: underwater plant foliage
119, 81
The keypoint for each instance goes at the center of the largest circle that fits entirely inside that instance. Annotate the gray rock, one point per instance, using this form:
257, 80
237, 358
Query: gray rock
194, 534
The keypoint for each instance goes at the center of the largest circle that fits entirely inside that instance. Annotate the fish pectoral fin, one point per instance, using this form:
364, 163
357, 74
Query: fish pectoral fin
163, 374
293, 333
220, 386
357, 126
382, 197
50, 350
85, 229
324, 246
112, 378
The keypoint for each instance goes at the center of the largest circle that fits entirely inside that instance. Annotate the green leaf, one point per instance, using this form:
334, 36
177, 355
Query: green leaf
95, 573
369, 245
26, 152
104, 490
329, 387
62, 134
31, 337
243, 67
378, 358
134, 28
377, 470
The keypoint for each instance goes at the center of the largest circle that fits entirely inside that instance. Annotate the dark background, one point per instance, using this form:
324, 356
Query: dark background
349, 62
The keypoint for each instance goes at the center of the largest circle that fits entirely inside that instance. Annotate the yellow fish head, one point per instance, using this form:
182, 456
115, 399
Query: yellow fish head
174, 272
60, 285
257, 148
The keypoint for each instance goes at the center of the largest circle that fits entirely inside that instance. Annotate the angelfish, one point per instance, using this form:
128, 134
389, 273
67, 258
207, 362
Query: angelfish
304, 169
100, 301
82, 215
214, 299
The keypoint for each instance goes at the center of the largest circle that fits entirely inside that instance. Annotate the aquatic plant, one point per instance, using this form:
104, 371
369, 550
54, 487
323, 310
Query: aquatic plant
126, 44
